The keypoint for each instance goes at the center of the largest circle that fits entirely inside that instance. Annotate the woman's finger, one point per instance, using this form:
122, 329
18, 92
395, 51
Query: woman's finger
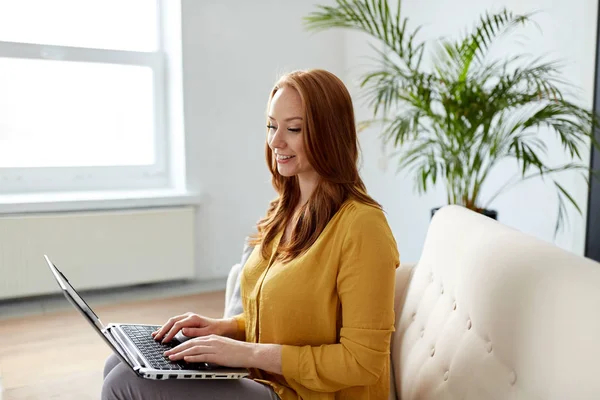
201, 342
172, 332
209, 358
196, 332
177, 326
192, 351
182, 347
159, 333
167, 327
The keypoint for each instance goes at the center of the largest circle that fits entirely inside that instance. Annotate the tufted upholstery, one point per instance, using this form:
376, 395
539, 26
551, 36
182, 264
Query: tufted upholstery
491, 313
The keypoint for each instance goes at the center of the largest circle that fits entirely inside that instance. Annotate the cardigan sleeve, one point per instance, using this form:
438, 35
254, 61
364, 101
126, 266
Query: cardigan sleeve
365, 286
240, 319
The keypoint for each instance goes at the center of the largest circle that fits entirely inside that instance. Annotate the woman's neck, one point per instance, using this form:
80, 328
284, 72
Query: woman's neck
307, 185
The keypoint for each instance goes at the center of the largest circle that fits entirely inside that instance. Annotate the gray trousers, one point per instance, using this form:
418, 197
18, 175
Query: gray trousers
121, 383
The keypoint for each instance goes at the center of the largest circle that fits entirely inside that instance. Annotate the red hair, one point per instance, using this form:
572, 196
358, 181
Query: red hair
332, 149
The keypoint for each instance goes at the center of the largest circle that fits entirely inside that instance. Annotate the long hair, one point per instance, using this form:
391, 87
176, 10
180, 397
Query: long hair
331, 145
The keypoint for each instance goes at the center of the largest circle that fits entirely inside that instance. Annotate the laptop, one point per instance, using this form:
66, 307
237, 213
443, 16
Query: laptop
134, 345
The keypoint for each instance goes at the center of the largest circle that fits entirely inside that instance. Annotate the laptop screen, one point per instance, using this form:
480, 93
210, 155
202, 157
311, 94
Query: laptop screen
73, 296
77, 301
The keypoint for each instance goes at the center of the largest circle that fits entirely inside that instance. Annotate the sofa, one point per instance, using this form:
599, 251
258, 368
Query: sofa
489, 312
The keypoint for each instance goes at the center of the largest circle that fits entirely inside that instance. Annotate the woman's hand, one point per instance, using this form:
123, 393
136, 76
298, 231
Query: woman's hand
228, 352
194, 325
214, 349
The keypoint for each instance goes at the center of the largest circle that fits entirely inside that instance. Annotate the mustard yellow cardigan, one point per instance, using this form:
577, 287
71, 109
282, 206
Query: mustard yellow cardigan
332, 309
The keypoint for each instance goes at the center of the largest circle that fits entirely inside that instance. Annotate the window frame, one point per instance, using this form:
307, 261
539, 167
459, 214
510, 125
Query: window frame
104, 178
592, 237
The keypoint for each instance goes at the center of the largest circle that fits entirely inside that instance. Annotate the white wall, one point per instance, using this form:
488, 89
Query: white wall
568, 32
233, 51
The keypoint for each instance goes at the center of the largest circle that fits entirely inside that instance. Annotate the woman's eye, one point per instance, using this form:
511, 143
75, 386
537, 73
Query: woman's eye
271, 127
294, 130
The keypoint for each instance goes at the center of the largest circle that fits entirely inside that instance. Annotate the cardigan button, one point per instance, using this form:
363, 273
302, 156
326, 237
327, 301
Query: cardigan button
469, 324
432, 351
446, 375
488, 347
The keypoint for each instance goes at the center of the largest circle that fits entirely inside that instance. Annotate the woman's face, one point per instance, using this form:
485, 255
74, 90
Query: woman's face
286, 138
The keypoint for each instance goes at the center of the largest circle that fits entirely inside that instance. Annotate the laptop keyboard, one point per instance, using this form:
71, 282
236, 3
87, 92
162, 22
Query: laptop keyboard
153, 350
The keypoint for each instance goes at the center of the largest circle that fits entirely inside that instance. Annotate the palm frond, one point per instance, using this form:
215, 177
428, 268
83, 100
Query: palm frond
489, 28
561, 213
534, 81
460, 54
385, 87
572, 124
374, 18
518, 179
404, 127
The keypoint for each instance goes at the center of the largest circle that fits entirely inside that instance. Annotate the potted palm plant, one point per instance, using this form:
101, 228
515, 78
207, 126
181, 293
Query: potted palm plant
454, 121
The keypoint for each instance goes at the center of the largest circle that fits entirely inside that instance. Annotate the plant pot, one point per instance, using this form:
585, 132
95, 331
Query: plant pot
493, 214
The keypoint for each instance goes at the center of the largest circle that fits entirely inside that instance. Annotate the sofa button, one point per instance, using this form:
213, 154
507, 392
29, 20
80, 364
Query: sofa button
488, 347
513, 377
469, 324
432, 351
454, 306
446, 375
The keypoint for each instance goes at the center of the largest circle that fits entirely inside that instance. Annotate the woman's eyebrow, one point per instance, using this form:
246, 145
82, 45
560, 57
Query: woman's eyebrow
287, 119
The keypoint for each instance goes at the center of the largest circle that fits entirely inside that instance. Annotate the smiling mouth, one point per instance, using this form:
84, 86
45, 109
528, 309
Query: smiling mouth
282, 158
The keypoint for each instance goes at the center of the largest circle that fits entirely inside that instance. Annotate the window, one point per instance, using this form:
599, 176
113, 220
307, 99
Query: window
83, 102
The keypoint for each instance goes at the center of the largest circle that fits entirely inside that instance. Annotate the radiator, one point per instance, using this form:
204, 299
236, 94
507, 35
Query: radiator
95, 250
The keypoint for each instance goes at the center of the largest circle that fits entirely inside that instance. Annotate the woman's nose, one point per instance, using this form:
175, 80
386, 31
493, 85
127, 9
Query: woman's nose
277, 141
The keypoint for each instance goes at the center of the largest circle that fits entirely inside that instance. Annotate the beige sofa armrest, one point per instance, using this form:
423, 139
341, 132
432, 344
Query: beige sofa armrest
403, 275
232, 278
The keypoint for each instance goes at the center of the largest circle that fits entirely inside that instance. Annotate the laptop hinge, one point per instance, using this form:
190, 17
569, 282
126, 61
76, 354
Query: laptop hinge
113, 334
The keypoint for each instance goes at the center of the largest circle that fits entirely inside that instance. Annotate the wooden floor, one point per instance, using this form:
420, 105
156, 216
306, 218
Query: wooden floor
68, 354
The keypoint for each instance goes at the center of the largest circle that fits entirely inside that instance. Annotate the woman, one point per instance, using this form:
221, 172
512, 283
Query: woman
318, 289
